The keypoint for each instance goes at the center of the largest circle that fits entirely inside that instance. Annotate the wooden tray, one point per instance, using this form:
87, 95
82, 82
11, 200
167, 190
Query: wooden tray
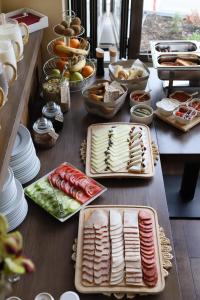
150, 165
122, 288
103, 189
171, 120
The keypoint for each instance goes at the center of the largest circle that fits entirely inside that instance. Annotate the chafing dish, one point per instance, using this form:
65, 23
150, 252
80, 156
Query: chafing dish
179, 65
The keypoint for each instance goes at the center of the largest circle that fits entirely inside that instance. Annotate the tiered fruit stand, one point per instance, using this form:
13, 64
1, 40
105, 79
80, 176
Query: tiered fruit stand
68, 54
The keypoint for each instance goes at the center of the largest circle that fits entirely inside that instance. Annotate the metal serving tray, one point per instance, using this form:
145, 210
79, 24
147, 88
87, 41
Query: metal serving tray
175, 72
175, 46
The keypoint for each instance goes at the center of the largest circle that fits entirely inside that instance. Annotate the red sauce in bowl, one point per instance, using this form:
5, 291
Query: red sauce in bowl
180, 96
140, 97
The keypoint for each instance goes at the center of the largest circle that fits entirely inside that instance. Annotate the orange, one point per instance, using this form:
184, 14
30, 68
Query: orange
74, 43
87, 71
60, 64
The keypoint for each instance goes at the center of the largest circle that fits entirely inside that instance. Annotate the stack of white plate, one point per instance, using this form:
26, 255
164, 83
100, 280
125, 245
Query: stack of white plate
24, 161
13, 204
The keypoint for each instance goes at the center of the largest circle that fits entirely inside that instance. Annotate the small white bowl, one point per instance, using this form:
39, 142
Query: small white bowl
182, 120
69, 296
192, 101
44, 296
139, 92
13, 298
140, 119
166, 106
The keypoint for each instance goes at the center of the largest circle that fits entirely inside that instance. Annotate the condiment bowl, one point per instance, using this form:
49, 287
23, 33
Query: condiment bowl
181, 96
195, 103
166, 106
184, 114
138, 114
140, 96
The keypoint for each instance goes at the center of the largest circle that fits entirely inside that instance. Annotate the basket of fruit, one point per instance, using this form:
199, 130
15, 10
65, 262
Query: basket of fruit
77, 46
69, 28
78, 70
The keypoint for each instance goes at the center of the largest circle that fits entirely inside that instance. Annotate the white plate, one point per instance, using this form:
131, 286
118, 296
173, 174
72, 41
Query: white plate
22, 141
5, 205
15, 161
17, 202
21, 219
24, 178
26, 165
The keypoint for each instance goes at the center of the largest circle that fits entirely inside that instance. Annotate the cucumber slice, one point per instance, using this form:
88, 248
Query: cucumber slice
74, 205
43, 185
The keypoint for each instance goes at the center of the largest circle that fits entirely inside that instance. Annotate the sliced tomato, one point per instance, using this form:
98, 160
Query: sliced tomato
67, 188
92, 189
62, 185
81, 197
67, 176
58, 182
78, 179
54, 178
72, 179
83, 183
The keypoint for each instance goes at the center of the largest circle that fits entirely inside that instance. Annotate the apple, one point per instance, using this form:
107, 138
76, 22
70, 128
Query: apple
76, 76
55, 72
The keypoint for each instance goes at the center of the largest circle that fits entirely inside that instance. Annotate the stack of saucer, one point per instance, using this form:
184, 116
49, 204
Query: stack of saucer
13, 204
24, 161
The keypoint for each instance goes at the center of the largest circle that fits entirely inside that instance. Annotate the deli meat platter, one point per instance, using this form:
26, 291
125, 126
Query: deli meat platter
118, 250
119, 150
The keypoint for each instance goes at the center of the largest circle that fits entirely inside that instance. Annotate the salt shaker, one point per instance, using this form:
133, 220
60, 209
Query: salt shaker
52, 111
44, 134
113, 54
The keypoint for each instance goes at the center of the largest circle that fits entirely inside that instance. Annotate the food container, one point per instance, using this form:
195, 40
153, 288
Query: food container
139, 96
168, 68
141, 113
44, 134
52, 111
50, 46
74, 85
195, 103
184, 114
106, 110
174, 46
181, 96
166, 106
44, 296
69, 296
132, 84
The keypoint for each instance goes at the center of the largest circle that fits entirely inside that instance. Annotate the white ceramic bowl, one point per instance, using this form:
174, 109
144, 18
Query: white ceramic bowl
191, 102
13, 298
181, 120
69, 296
44, 296
140, 119
136, 102
166, 106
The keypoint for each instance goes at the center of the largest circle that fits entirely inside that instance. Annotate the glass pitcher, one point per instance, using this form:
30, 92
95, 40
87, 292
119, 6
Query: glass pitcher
3, 86
11, 30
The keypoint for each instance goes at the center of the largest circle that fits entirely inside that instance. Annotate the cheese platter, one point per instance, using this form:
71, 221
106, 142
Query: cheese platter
118, 250
119, 150
64, 191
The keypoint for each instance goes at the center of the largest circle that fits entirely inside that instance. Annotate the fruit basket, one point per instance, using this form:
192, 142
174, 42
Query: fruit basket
83, 46
75, 85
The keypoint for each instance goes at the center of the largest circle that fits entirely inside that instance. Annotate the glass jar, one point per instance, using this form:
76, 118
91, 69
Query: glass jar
44, 134
52, 111
58, 91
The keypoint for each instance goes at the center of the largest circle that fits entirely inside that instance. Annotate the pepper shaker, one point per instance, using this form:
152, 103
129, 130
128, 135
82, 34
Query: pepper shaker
100, 61
113, 54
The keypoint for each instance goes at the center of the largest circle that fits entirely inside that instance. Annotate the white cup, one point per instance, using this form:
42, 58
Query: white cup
11, 30
44, 296
8, 59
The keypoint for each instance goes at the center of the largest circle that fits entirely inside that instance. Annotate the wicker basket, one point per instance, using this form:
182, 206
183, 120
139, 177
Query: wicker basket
132, 84
102, 109
74, 85
50, 46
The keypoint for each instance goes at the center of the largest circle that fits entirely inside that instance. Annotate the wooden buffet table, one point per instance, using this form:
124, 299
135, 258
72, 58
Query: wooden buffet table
184, 147
49, 243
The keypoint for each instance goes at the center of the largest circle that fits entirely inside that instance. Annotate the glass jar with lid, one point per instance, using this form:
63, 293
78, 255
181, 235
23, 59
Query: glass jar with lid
57, 90
52, 111
44, 134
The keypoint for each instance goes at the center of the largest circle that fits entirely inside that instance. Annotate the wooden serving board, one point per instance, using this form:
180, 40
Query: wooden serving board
122, 287
149, 169
171, 120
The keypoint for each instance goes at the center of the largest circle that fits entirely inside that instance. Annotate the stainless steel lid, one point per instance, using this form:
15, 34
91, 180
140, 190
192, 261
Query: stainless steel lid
51, 109
42, 125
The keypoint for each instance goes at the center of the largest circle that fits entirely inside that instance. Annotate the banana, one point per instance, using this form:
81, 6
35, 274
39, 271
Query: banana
78, 66
66, 49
